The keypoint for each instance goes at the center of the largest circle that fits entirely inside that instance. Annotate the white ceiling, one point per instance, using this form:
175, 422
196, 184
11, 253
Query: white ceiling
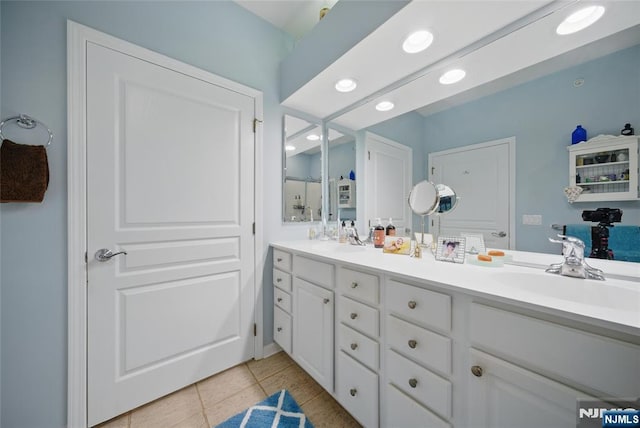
499, 43
296, 17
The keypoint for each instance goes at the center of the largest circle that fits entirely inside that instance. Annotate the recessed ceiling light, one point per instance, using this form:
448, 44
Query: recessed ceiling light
346, 85
289, 147
313, 137
580, 20
452, 76
384, 106
417, 41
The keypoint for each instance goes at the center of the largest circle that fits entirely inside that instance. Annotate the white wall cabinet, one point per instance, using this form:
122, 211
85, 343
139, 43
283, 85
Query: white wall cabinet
413, 354
606, 170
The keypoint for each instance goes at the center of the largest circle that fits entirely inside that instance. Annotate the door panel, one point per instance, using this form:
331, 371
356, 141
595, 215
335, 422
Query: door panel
388, 182
170, 179
480, 177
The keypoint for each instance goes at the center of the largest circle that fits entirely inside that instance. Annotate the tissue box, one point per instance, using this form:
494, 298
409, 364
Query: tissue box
396, 245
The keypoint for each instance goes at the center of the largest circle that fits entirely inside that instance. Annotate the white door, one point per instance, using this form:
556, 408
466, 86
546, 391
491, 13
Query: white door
483, 177
387, 182
170, 171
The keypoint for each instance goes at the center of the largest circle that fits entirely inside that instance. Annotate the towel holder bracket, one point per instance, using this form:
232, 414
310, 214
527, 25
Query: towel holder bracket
26, 122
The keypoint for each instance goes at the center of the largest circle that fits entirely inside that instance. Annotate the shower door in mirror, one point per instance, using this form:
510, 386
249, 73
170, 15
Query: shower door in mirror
302, 171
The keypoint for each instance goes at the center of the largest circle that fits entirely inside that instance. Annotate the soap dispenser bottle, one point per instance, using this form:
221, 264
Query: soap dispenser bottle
342, 233
378, 235
391, 229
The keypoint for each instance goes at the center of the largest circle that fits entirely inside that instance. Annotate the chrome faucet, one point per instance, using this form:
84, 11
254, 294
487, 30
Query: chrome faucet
574, 264
352, 236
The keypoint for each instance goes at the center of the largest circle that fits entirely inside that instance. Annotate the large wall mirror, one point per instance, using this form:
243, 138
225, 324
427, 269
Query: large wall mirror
302, 171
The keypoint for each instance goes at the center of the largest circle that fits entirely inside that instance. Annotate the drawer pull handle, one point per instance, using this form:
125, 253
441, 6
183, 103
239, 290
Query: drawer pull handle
279, 280
476, 370
413, 383
412, 304
326, 301
279, 299
279, 329
354, 284
279, 259
413, 344
353, 392
354, 346
353, 315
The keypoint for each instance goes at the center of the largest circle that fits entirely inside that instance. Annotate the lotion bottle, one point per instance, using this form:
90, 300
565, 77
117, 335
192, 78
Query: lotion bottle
391, 229
378, 235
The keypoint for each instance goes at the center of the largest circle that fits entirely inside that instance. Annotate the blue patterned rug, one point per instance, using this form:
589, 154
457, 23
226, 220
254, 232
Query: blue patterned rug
278, 411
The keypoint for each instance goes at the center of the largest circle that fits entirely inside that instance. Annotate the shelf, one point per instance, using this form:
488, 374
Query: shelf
596, 165
603, 182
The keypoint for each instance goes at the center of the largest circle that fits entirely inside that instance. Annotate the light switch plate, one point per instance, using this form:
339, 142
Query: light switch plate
532, 219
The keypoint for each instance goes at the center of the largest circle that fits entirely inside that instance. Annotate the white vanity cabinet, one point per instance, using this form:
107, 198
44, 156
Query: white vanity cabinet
412, 351
282, 327
606, 170
357, 347
528, 372
418, 355
313, 318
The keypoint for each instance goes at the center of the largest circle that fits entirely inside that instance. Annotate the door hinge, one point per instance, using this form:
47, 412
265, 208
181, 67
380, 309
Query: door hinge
86, 258
254, 228
255, 124
369, 154
255, 329
433, 170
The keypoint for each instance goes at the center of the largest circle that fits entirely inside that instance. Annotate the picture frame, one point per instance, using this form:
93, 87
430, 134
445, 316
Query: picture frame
474, 243
451, 249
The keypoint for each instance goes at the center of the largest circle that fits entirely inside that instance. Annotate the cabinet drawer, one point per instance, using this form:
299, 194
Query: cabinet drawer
359, 316
425, 307
360, 285
359, 347
282, 299
357, 390
282, 279
282, 329
282, 260
403, 411
421, 384
607, 365
423, 346
319, 273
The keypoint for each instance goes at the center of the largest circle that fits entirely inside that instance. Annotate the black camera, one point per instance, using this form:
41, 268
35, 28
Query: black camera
600, 233
603, 215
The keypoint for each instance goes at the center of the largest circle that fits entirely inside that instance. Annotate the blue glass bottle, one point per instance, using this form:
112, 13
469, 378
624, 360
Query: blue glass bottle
578, 135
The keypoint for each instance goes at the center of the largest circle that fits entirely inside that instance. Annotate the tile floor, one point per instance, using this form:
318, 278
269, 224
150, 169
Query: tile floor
215, 399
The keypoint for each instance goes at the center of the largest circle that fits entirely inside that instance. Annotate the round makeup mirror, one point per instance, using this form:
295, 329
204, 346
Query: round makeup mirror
424, 199
447, 199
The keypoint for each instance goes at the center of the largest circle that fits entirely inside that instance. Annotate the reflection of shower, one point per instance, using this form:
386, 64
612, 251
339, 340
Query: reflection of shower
301, 196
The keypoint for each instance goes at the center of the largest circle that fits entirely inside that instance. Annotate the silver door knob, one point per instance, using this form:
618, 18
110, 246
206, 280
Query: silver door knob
500, 234
104, 254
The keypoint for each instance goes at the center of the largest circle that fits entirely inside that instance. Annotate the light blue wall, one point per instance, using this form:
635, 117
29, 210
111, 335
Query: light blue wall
541, 114
300, 166
220, 37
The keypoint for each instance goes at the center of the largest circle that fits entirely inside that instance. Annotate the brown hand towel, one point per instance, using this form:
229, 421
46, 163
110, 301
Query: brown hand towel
24, 172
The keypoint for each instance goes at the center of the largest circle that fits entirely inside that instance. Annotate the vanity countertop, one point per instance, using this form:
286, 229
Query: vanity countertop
613, 303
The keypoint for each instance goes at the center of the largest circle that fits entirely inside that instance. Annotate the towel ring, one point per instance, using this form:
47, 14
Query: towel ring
26, 122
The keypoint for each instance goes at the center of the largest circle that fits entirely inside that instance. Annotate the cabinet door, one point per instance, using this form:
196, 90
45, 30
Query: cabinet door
313, 331
504, 395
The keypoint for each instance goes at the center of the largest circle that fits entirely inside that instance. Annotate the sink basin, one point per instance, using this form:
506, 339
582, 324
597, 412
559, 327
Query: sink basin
612, 294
